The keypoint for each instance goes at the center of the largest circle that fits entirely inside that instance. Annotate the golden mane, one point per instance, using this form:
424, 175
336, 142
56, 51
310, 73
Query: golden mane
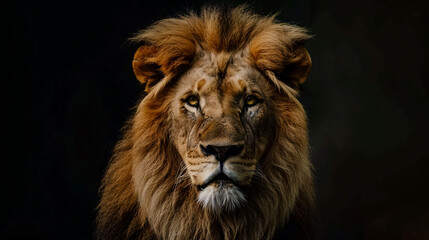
276, 47
146, 161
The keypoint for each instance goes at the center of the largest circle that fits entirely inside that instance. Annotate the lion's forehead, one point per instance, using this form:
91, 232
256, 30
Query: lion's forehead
215, 75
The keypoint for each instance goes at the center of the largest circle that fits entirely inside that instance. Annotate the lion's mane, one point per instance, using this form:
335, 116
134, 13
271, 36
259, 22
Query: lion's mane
146, 161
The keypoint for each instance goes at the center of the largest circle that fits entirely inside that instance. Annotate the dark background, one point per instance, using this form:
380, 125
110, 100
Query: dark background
69, 88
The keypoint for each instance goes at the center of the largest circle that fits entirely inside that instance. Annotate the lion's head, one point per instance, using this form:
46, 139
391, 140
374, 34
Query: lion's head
218, 147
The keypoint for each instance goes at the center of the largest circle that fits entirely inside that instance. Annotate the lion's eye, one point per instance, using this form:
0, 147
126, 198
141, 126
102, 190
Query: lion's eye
251, 101
192, 101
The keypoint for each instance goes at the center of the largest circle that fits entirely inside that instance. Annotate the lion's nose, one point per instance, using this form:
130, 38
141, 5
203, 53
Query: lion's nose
222, 153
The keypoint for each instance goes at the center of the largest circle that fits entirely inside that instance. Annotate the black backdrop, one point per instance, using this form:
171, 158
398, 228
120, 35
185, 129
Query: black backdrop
69, 88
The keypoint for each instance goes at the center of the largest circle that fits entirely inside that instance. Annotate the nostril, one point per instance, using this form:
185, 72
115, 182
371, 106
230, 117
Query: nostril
222, 152
234, 150
209, 150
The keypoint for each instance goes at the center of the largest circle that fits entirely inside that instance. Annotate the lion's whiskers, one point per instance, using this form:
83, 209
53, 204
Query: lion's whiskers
181, 173
258, 174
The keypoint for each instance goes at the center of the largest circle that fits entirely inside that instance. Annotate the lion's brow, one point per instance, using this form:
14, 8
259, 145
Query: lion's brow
200, 84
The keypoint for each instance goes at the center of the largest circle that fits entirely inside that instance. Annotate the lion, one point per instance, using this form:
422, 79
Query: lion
217, 148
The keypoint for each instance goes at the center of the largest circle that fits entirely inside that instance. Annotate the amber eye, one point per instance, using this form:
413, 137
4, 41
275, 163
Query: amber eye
251, 101
192, 101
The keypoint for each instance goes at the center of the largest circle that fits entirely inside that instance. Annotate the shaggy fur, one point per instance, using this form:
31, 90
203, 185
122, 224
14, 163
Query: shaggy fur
147, 192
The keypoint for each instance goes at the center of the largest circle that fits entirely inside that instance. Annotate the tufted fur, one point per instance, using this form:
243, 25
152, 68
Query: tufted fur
147, 193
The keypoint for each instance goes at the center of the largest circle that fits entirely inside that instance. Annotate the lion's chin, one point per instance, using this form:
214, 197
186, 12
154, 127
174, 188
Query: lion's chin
221, 196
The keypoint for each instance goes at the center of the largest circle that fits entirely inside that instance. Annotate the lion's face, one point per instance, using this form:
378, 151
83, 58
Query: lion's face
221, 127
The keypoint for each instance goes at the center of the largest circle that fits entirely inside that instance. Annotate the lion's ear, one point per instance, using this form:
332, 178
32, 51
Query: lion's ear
289, 65
152, 63
296, 68
147, 71
279, 52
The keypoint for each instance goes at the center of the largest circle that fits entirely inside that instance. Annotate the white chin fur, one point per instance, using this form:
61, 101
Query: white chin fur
221, 198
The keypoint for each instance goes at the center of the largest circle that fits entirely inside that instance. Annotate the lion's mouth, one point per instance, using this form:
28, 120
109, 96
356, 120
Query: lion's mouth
221, 179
